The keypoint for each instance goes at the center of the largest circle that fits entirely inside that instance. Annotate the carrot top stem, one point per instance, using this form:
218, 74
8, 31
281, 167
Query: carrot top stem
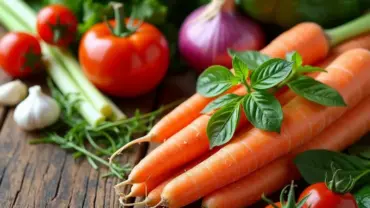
343, 32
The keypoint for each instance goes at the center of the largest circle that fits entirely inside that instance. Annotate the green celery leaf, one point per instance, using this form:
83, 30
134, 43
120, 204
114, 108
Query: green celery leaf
240, 68
222, 125
270, 73
316, 91
252, 59
315, 164
263, 110
221, 101
214, 81
306, 69
152, 11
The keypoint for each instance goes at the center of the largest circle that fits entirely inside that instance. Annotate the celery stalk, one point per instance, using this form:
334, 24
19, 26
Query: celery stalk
68, 86
70, 64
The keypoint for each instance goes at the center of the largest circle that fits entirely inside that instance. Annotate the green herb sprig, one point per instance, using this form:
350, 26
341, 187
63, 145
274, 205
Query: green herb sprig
97, 143
261, 76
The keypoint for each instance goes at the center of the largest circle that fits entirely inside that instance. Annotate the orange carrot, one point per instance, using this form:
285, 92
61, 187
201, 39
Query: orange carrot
348, 74
339, 135
295, 39
154, 196
362, 41
141, 189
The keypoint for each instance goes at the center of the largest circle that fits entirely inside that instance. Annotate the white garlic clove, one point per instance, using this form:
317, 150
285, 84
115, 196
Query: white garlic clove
12, 93
37, 111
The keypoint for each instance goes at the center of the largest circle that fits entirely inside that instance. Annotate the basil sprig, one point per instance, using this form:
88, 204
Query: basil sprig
261, 76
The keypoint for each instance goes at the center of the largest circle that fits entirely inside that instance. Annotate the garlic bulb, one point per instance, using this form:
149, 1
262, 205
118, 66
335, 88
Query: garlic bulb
37, 111
12, 93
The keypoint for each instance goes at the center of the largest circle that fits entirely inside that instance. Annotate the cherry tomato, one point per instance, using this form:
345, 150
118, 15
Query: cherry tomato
57, 25
20, 54
321, 197
124, 66
278, 204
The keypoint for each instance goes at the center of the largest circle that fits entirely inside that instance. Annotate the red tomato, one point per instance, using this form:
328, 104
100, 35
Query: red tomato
278, 204
57, 25
124, 66
322, 197
20, 54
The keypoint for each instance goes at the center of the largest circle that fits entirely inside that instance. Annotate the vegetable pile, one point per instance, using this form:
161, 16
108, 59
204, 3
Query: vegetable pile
304, 107
280, 113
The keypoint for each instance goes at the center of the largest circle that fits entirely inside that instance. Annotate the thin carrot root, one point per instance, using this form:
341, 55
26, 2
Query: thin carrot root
145, 138
119, 185
121, 201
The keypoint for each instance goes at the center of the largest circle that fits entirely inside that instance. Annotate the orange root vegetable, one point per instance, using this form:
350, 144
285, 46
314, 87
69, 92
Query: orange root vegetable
250, 150
295, 39
154, 196
362, 41
339, 135
142, 189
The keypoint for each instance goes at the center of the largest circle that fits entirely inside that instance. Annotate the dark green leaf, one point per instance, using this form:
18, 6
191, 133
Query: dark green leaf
240, 68
263, 110
222, 125
363, 197
270, 73
306, 69
314, 164
294, 57
316, 91
253, 59
221, 101
214, 81
360, 150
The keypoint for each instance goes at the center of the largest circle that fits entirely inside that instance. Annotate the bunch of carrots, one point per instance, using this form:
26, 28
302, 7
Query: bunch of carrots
183, 169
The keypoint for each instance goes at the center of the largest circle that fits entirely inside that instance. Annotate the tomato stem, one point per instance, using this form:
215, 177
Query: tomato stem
121, 29
32, 59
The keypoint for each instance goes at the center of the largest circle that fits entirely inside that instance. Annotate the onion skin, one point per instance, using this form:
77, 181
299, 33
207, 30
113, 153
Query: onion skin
203, 43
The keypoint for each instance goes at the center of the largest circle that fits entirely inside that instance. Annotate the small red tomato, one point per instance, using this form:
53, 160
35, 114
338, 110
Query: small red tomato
322, 197
57, 25
128, 60
20, 54
278, 204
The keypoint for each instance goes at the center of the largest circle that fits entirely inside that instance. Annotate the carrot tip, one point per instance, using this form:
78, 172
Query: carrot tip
161, 203
146, 138
119, 185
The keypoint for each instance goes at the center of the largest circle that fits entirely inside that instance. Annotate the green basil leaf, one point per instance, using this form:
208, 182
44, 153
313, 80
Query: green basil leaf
253, 59
222, 125
314, 164
306, 69
221, 101
214, 81
363, 197
270, 73
263, 110
294, 57
316, 91
240, 68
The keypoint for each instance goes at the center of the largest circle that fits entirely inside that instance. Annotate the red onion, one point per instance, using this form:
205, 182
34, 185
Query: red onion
209, 31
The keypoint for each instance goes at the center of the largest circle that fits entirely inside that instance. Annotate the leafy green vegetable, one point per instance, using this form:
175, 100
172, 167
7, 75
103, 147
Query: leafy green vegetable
315, 164
221, 101
214, 81
252, 59
263, 110
270, 74
294, 57
240, 68
316, 91
306, 69
363, 197
222, 125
